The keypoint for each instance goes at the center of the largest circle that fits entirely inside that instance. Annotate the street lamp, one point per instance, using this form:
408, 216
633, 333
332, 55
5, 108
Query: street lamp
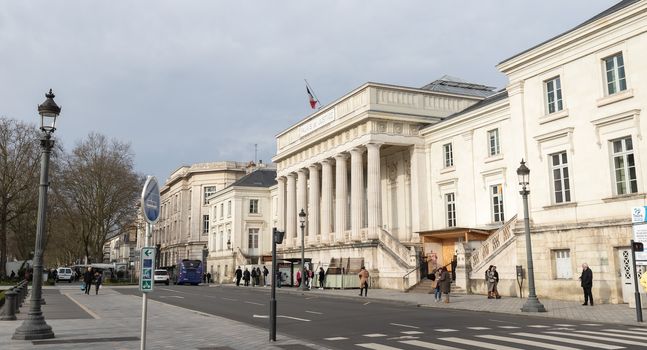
532, 304
34, 326
302, 220
205, 253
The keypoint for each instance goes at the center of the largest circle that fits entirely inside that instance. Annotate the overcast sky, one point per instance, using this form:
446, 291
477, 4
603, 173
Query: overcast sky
199, 81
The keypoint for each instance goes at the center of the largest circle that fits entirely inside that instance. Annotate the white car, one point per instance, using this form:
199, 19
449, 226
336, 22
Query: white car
161, 276
64, 274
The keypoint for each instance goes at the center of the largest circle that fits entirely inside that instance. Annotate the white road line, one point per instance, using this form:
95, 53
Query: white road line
606, 339
95, 316
375, 346
527, 342
366, 303
375, 335
171, 296
538, 326
569, 341
336, 338
411, 332
478, 328
445, 330
564, 325
613, 335
591, 324
261, 316
479, 344
251, 302
628, 332
509, 327
403, 325
230, 299
314, 312
403, 337
426, 345
294, 318
637, 329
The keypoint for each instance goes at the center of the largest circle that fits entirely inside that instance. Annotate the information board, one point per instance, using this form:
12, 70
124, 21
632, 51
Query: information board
147, 272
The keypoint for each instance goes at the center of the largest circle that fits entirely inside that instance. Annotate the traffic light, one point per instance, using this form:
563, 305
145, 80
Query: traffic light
638, 246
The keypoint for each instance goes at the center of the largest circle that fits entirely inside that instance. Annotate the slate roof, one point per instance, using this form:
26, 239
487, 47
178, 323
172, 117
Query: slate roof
257, 178
498, 96
455, 85
615, 8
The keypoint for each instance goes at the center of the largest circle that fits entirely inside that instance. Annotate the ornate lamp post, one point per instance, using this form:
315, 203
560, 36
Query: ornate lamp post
35, 327
532, 304
302, 221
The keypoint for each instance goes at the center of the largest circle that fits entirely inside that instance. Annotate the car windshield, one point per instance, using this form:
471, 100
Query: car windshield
161, 273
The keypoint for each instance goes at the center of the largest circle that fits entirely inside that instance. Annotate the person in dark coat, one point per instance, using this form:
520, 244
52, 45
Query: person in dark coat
265, 273
246, 277
445, 281
258, 276
87, 279
322, 276
254, 275
587, 283
239, 275
98, 279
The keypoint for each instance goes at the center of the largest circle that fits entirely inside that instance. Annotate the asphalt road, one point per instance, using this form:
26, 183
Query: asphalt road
353, 323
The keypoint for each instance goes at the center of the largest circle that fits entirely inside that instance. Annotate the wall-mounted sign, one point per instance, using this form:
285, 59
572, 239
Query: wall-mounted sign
318, 122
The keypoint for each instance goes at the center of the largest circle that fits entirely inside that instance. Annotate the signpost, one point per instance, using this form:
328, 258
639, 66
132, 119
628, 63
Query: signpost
150, 203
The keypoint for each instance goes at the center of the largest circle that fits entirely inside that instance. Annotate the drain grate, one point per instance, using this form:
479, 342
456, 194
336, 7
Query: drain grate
82, 340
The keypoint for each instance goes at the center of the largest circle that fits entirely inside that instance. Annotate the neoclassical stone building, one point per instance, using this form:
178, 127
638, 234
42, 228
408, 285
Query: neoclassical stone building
391, 175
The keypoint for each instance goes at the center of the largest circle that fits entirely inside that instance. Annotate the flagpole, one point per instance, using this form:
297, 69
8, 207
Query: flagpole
313, 93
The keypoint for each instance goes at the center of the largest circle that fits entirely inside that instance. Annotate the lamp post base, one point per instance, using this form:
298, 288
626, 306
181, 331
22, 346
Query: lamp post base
533, 305
33, 328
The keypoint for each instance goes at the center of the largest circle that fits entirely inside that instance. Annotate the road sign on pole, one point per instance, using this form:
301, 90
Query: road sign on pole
151, 200
147, 269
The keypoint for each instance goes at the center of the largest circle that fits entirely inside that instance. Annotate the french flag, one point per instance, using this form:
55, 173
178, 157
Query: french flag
313, 102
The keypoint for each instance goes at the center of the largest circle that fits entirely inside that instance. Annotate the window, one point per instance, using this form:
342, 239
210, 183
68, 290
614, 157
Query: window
554, 95
253, 238
222, 210
253, 206
496, 195
448, 155
228, 208
450, 212
561, 186
493, 142
563, 264
208, 191
624, 167
614, 67
205, 224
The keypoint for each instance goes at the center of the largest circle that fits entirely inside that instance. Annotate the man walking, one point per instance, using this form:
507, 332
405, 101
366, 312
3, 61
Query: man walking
586, 280
363, 281
265, 273
87, 279
239, 275
322, 276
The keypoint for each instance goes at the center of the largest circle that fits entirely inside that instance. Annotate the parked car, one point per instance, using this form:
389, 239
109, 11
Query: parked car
64, 274
161, 276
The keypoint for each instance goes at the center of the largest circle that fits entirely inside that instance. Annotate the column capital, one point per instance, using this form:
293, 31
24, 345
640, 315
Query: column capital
341, 156
314, 166
291, 175
329, 161
374, 144
358, 150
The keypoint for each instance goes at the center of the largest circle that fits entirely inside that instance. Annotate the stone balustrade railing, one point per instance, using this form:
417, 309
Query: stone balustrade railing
491, 245
399, 249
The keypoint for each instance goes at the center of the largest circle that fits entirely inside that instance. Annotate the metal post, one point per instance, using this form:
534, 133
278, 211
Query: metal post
303, 260
639, 310
273, 291
144, 296
532, 304
35, 327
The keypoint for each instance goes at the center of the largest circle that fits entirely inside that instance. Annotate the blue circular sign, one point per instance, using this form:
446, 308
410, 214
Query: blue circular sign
151, 200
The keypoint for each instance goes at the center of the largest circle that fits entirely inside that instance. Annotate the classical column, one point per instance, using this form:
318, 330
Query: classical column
326, 200
313, 204
341, 194
356, 192
373, 191
280, 211
291, 215
302, 203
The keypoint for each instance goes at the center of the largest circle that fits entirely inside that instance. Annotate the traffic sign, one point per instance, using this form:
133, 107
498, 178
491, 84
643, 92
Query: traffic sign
146, 274
151, 200
640, 236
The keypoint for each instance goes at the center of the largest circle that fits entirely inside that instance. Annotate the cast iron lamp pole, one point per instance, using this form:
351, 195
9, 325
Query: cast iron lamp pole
34, 326
532, 304
302, 220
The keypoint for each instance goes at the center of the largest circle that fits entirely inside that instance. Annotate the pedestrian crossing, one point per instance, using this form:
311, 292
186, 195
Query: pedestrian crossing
502, 337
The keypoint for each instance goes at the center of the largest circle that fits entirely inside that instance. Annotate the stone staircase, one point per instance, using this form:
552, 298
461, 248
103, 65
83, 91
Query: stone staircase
424, 286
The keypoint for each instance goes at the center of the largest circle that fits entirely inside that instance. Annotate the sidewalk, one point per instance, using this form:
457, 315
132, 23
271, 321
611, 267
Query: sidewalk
95, 322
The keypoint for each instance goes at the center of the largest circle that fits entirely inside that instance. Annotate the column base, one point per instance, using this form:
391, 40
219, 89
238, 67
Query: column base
33, 328
533, 305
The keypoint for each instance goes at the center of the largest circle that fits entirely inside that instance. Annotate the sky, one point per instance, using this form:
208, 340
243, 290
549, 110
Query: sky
187, 82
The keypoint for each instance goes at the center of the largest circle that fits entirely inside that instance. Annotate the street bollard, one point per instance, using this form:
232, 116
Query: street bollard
18, 299
8, 312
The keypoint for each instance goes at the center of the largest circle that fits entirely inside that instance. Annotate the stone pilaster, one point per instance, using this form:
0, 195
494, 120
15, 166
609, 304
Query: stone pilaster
326, 200
313, 205
356, 192
341, 194
374, 188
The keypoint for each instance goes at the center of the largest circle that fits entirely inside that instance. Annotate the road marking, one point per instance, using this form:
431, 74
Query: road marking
538, 326
314, 312
591, 337
426, 345
261, 316
412, 332
509, 327
294, 318
564, 325
526, 342
230, 299
366, 303
637, 329
569, 341
403, 325
250, 302
375, 335
479, 344
310, 298
445, 330
375, 346
478, 328
83, 307
171, 296
628, 332
336, 338
613, 335
591, 324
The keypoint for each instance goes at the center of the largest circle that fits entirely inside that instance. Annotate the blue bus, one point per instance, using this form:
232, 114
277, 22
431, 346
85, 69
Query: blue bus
189, 271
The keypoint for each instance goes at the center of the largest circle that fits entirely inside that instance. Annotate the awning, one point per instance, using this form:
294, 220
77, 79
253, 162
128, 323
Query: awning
467, 233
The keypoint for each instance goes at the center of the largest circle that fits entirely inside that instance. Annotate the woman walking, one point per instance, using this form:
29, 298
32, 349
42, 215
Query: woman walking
435, 285
98, 277
445, 283
492, 281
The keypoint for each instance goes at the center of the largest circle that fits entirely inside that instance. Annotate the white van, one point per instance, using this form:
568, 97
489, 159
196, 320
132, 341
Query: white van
64, 274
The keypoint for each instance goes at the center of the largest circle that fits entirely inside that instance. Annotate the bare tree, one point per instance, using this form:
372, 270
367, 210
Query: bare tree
19, 169
97, 190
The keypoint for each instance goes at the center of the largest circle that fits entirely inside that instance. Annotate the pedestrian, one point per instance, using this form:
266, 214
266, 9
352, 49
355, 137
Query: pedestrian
454, 264
98, 279
87, 279
311, 278
55, 275
13, 275
246, 276
363, 281
445, 283
322, 276
492, 281
265, 273
208, 277
298, 278
279, 278
586, 280
239, 275
258, 276
254, 277
436, 281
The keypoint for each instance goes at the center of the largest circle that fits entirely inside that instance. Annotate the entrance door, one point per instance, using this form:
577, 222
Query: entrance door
627, 277
449, 249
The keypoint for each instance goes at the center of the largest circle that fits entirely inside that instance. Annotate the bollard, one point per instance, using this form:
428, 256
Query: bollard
17, 299
8, 312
